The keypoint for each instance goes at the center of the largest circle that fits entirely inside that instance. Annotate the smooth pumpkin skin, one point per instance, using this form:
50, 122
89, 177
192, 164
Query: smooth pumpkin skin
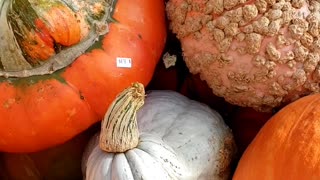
37, 114
287, 146
179, 139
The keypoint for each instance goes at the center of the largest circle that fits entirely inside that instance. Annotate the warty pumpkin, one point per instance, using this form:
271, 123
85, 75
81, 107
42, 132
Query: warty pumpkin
169, 137
254, 53
287, 146
62, 63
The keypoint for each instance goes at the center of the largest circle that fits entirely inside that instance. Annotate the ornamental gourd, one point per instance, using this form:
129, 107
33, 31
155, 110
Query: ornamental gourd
170, 137
287, 146
58, 64
254, 53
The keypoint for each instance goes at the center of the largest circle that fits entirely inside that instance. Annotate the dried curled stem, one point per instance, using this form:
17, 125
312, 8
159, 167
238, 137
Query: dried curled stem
119, 128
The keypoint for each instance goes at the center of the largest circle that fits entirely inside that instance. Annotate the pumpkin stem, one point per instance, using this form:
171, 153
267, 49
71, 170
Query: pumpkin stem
119, 128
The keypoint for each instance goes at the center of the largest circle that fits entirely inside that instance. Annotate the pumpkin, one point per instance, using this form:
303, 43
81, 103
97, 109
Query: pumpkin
61, 162
169, 137
287, 146
63, 62
254, 53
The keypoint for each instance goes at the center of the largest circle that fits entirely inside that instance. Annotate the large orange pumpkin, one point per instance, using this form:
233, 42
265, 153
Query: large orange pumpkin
287, 146
59, 64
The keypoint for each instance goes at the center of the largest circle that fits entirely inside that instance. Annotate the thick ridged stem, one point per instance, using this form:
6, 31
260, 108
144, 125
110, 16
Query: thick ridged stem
119, 128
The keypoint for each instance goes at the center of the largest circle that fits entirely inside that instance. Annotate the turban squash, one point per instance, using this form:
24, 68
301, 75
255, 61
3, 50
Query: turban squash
61, 64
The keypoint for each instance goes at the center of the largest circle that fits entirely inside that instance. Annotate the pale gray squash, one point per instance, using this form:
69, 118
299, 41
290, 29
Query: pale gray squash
178, 138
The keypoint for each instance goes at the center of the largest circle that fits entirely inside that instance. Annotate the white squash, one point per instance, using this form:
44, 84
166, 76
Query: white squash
178, 139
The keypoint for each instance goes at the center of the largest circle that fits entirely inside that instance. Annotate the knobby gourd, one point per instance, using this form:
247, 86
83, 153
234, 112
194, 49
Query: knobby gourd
287, 146
254, 53
169, 137
61, 64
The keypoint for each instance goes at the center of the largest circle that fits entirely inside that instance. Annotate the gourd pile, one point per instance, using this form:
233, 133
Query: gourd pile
159, 90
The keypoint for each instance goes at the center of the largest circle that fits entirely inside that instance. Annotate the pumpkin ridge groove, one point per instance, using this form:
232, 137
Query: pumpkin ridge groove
157, 159
82, 97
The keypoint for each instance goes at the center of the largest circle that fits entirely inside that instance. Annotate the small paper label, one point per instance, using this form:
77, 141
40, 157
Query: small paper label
124, 62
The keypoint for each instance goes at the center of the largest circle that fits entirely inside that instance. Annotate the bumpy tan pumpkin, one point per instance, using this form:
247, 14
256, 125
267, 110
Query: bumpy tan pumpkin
257, 53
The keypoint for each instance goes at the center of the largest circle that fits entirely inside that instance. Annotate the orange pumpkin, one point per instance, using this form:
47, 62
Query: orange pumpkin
287, 146
58, 64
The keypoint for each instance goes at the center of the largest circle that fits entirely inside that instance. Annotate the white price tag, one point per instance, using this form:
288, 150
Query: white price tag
124, 62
